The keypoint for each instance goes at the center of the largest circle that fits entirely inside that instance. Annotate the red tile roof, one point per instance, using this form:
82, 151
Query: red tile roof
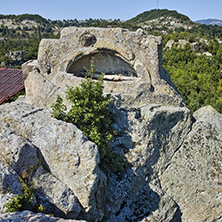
11, 82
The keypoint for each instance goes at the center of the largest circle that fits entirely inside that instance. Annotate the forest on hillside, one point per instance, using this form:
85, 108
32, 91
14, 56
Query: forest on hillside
197, 76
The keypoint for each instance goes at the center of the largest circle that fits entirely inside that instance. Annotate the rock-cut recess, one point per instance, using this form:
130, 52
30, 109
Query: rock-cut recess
130, 61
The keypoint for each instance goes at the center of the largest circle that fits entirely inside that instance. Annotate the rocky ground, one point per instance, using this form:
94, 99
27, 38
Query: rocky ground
174, 169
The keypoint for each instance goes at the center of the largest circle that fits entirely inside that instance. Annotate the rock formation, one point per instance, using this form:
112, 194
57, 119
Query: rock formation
131, 62
16, 56
30, 216
174, 156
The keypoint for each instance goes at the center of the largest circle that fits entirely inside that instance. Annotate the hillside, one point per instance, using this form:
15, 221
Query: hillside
161, 18
210, 22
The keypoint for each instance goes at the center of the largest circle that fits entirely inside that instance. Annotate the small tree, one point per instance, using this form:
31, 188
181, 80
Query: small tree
90, 113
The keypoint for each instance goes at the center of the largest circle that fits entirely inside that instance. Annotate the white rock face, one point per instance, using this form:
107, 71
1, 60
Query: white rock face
63, 150
131, 62
174, 169
174, 158
194, 175
30, 216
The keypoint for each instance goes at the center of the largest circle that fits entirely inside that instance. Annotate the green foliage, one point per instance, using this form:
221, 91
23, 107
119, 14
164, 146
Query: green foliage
153, 14
23, 201
40, 209
89, 112
197, 77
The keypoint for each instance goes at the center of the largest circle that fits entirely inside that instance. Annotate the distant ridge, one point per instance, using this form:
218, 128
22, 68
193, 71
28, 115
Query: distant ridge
210, 22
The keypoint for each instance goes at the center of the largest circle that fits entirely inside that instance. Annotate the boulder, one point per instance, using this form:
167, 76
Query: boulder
131, 62
149, 137
170, 44
195, 46
9, 184
193, 177
30, 216
62, 149
54, 195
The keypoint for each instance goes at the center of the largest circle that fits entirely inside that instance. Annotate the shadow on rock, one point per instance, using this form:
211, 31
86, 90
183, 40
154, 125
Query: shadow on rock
136, 195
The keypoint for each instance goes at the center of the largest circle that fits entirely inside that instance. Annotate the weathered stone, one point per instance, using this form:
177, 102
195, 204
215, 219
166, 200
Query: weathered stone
19, 154
193, 177
65, 151
55, 196
30, 216
148, 137
131, 62
24, 158
9, 184
170, 44
195, 46
28, 66
9, 180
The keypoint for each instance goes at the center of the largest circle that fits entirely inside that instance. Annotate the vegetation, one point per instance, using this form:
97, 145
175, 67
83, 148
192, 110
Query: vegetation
197, 77
90, 113
156, 13
24, 201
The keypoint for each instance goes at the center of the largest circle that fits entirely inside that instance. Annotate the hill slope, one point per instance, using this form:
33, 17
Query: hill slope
161, 18
157, 13
210, 22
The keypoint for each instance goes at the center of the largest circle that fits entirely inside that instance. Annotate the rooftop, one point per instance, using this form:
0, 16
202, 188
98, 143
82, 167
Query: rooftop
11, 82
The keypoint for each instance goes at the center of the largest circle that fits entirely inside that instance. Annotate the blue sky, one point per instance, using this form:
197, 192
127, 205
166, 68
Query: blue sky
115, 9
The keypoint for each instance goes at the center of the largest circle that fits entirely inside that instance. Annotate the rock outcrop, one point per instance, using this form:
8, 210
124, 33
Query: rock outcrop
56, 156
174, 157
131, 62
16, 56
193, 177
30, 216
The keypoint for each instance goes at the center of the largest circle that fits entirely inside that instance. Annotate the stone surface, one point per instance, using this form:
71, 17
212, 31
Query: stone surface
28, 66
24, 160
193, 177
148, 137
9, 184
16, 56
54, 195
9, 180
63, 150
131, 62
28, 216
174, 162
170, 44
174, 158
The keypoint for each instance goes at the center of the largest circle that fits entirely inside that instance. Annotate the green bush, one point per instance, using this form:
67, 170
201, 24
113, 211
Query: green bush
23, 201
90, 113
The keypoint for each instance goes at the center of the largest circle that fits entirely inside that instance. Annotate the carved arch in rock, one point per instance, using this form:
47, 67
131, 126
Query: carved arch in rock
105, 61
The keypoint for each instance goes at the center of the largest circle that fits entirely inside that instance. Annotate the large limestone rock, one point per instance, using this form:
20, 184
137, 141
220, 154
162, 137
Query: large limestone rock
31, 138
174, 163
174, 158
9, 184
148, 137
131, 62
30, 216
193, 177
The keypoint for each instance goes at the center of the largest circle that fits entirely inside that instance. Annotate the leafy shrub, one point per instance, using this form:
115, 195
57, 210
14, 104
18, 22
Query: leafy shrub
23, 201
90, 113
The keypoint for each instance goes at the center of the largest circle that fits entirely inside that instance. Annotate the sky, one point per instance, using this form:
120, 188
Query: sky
115, 9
